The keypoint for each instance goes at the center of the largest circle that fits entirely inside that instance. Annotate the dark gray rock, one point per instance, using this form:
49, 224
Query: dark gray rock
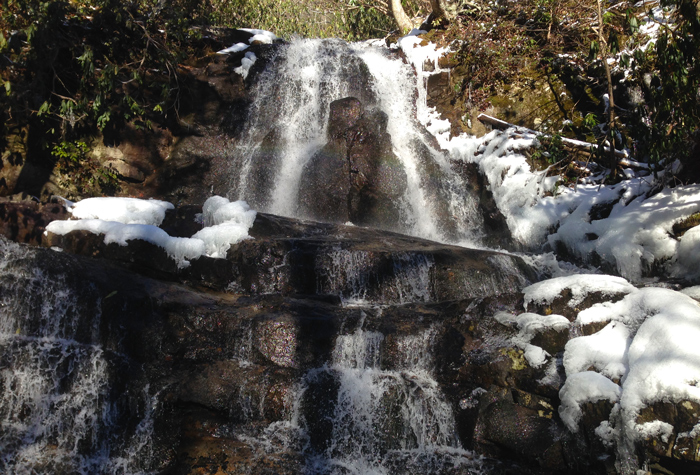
355, 177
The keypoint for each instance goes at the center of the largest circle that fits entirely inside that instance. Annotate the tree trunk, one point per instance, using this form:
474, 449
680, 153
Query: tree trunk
437, 10
611, 101
400, 16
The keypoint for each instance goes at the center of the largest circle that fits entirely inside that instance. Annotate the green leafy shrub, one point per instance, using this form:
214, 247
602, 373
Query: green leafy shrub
79, 174
667, 119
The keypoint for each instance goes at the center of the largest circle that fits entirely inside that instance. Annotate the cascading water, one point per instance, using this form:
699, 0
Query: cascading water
288, 124
60, 410
287, 121
387, 414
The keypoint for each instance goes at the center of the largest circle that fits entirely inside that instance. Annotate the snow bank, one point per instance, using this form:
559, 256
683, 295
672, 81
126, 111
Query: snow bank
418, 53
121, 220
650, 346
686, 264
516, 189
692, 292
531, 323
636, 235
664, 356
226, 224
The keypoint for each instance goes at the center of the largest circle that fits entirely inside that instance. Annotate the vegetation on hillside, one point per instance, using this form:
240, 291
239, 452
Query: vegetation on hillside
652, 87
71, 69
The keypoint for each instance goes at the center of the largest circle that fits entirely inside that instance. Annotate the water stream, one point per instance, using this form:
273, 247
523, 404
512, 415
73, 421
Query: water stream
61, 410
388, 414
288, 122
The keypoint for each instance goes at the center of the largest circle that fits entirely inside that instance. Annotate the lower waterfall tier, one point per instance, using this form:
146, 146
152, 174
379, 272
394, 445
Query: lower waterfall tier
311, 348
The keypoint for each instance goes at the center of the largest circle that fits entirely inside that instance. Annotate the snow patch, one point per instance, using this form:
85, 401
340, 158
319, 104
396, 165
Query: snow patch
237, 48
587, 386
580, 286
121, 210
260, 36
529, 325
246, 63
606, 351
121, 220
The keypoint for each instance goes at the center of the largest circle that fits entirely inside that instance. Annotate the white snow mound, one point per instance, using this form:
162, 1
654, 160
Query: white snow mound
121, 220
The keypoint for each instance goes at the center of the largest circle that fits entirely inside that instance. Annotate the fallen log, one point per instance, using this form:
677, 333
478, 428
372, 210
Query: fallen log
573, 143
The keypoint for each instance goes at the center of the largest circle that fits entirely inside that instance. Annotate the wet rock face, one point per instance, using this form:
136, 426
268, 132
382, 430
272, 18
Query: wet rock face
234, 349
289, 257
355, 177
679, 449
23, 220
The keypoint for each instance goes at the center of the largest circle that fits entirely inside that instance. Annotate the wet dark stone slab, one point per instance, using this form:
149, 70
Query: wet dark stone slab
290, 256
24, 219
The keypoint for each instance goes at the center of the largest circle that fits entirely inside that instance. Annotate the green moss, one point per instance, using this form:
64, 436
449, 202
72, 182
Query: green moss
517, 357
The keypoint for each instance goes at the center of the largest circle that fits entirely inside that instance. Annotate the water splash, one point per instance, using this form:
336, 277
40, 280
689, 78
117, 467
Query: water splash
58, 409
287, 125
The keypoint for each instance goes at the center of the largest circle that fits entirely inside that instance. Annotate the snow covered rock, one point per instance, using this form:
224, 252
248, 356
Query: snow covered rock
231, 247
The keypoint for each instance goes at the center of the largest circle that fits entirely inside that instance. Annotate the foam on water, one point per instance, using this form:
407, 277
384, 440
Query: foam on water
58, 411
386, 412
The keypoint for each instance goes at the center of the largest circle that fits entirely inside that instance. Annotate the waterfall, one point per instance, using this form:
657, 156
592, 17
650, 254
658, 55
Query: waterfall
287, 121
432, 183
59, 411
287, 125
363, 277
386, 414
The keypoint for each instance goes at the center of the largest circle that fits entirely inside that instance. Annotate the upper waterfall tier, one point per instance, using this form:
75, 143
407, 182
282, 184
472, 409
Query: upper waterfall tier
332, 135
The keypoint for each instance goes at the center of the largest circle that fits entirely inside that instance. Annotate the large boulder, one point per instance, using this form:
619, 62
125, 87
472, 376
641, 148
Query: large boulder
355, 177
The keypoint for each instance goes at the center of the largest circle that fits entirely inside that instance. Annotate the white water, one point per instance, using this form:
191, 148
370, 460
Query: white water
387, 414
292, 98
57, 413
